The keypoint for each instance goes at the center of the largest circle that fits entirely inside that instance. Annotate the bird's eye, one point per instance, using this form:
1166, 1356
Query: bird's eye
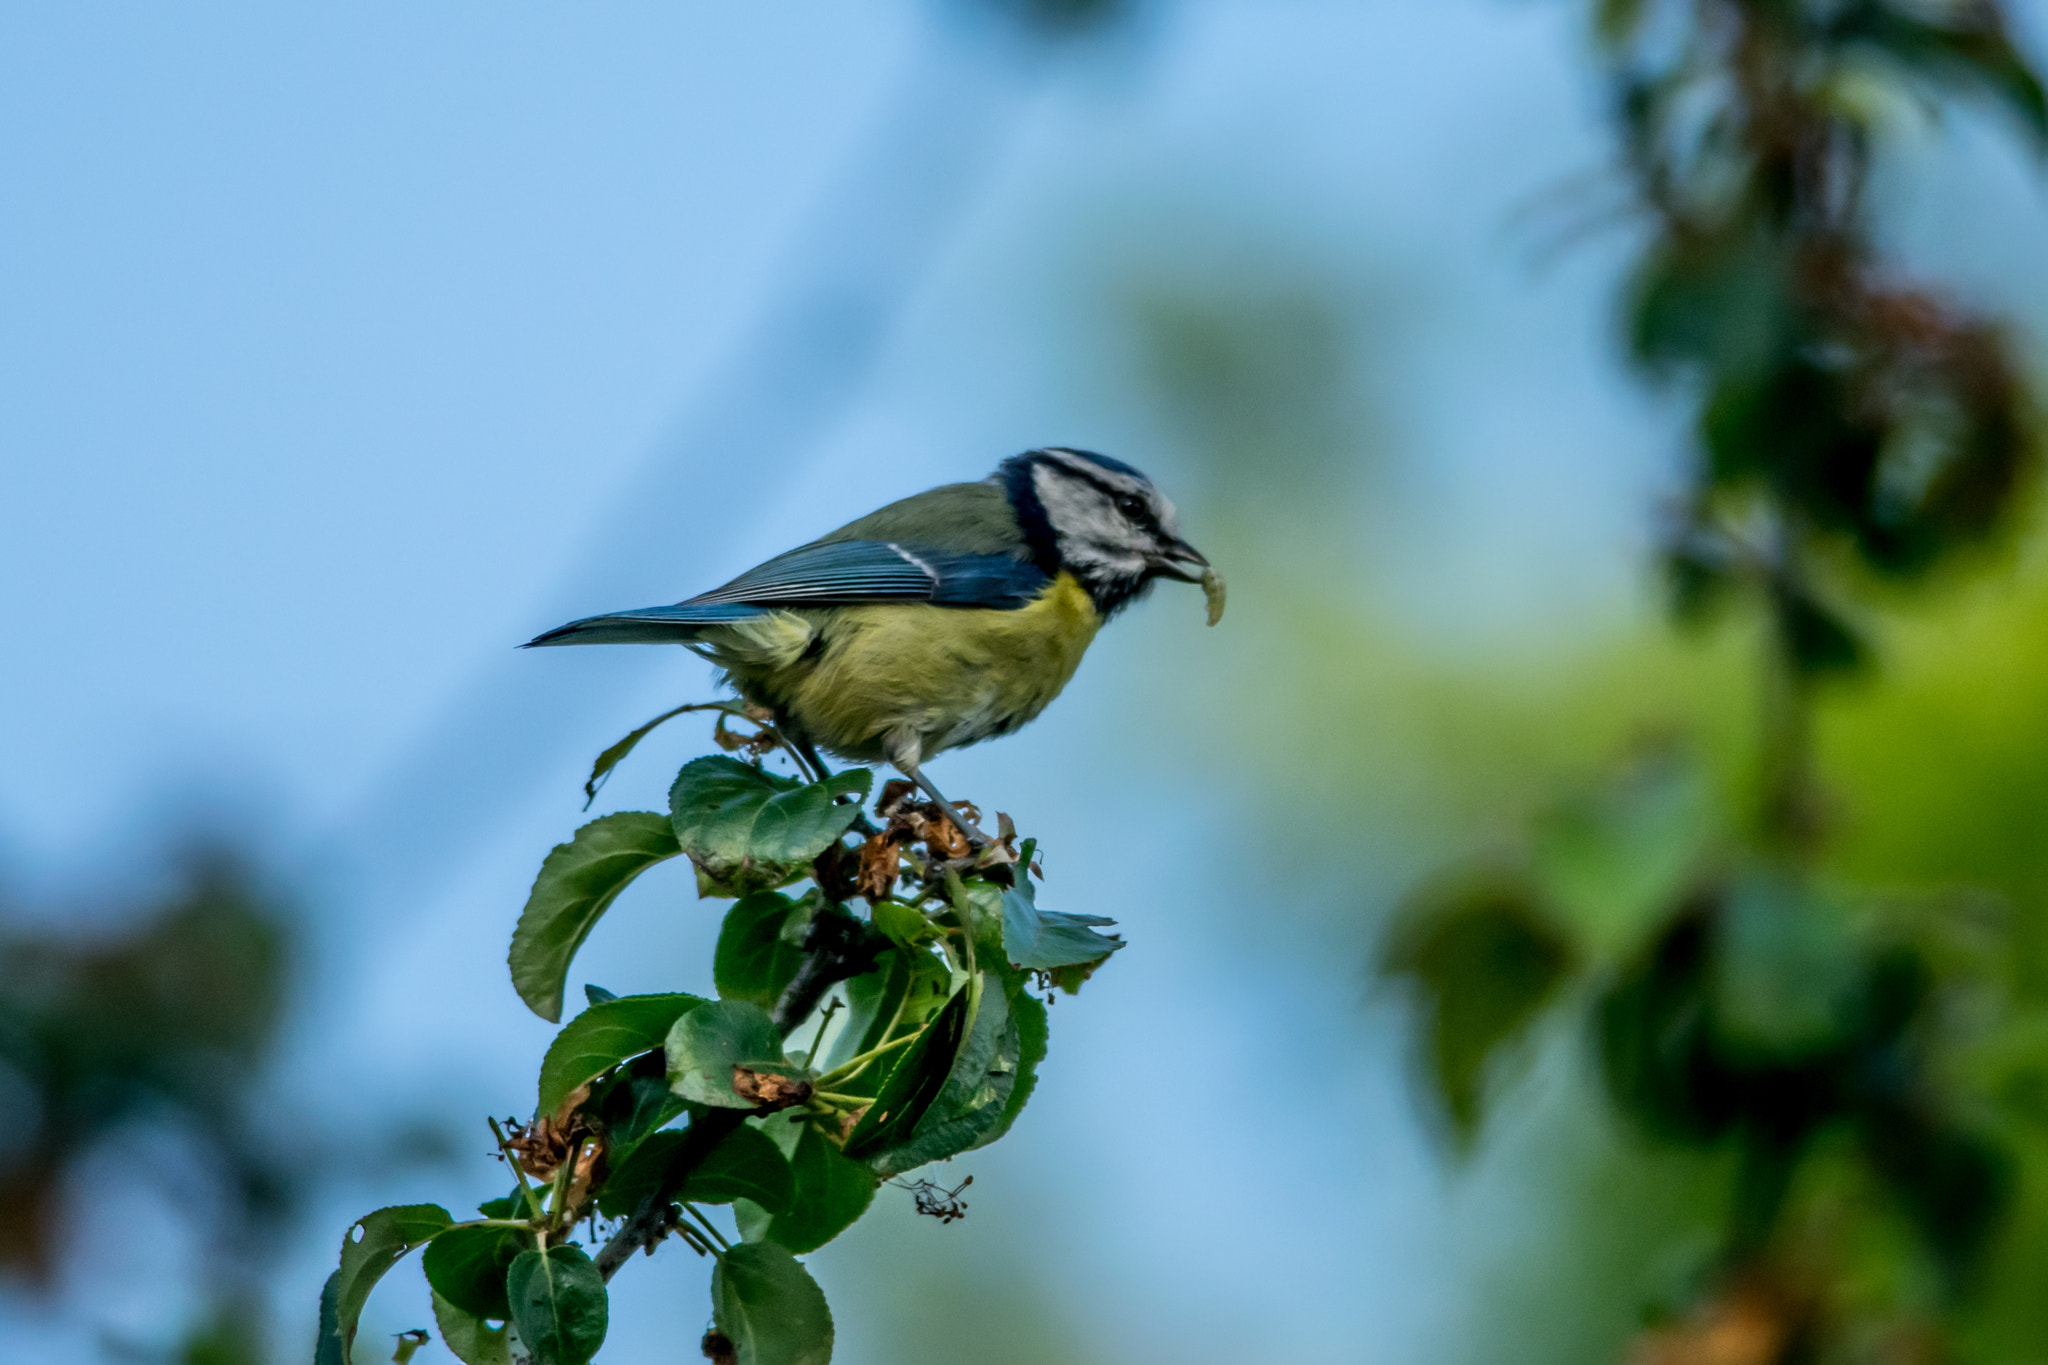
1131, 506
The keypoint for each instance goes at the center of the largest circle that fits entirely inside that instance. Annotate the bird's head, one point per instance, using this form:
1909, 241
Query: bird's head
1100, 520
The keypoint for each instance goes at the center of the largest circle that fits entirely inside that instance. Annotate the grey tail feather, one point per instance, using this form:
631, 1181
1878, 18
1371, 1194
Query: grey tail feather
677, 625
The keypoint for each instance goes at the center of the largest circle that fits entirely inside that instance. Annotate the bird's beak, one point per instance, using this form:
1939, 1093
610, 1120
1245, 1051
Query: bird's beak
1180, 560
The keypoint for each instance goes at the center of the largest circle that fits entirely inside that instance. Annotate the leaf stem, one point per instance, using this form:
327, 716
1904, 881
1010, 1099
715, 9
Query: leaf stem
831, 1008
706, 1224
505, 1148
853, 1066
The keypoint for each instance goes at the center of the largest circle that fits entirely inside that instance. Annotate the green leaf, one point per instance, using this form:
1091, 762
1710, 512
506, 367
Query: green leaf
470, 1338
1786, 974
467, 1266
872, 999
971, 1099
1039, 940
577, 883
612, 757
636, 1102
753, 961
1034, 1036
597, 995
746, 1165
749, 830
914, 1082
1612, 859
707, 1043
512, 1205
1816, 638
904, 924
1484, 960
558, 1305
972, 1108
372, 1246
770, 1307
1616, 21
331, 1349
1976, 51
831, 1192
603, 1036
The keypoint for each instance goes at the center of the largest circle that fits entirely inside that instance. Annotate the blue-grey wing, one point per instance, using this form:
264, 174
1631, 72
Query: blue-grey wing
828, 574
846, 572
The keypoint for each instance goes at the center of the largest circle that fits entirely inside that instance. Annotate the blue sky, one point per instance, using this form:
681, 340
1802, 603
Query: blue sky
342, 348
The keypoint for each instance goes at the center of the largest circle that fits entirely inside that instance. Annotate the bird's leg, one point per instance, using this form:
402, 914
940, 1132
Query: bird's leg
819, 771
904, 752
810, 753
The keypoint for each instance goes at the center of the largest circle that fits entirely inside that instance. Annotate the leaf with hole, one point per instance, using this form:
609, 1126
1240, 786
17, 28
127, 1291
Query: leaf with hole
578, 882
371, 1247
469, 1338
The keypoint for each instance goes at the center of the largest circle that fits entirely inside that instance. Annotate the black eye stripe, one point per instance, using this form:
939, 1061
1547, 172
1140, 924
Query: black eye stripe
1144, 517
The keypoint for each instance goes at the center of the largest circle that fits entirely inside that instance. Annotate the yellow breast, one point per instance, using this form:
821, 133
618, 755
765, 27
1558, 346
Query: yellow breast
950, 675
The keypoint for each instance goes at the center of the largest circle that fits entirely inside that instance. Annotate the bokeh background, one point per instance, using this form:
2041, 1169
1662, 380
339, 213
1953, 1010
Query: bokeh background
342, 349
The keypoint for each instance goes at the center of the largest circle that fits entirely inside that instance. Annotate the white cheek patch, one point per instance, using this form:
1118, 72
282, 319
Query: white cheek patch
1092, 533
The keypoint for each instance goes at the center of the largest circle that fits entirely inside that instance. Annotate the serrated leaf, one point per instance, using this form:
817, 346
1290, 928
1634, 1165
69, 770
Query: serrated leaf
770, 1307
329, 1348
559, 1306
748, 830
472, 1340
831, 1192
708, 1042
1040, 940
578, 882
372, 1245
914, 1082
605, 1035
467, 1266
746, 1165
1034, 1035
754, 961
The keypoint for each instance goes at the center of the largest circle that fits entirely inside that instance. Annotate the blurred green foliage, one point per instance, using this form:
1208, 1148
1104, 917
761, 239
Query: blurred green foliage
153, 1029
1860, 1053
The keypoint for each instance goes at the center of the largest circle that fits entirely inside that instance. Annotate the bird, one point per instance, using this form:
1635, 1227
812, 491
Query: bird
941, 620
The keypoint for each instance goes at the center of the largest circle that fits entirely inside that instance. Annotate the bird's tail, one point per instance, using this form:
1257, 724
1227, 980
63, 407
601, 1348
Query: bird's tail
678, 625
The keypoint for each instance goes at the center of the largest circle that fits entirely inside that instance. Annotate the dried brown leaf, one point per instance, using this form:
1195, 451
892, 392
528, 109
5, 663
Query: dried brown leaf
769, 1089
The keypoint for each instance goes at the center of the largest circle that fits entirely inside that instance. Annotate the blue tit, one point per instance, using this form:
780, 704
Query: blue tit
942, 620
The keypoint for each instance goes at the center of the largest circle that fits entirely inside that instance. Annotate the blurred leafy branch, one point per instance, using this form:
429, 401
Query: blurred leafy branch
841, 1051
150, 1033
1870, 1064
